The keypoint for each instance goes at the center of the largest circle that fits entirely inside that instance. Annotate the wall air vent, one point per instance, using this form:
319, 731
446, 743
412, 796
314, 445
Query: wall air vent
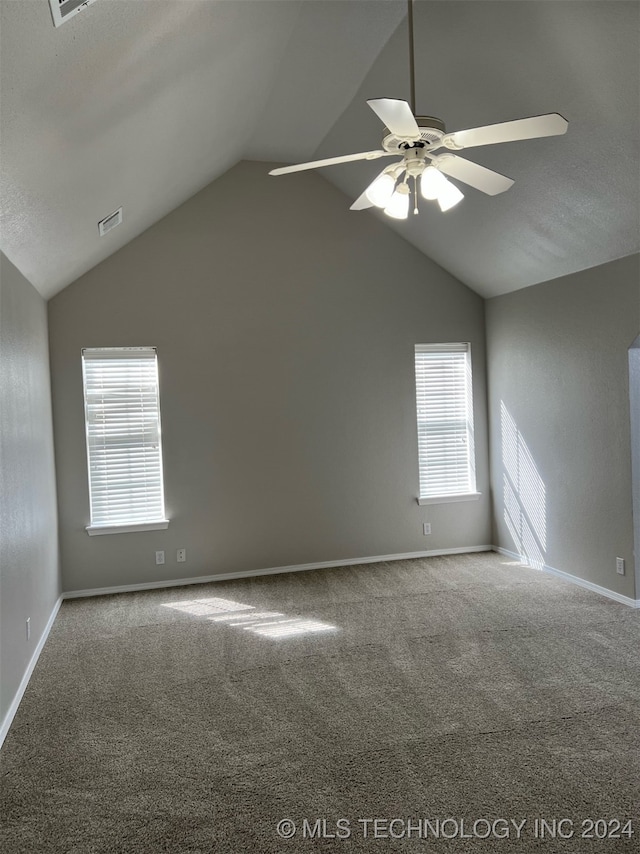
110, 222
62, 10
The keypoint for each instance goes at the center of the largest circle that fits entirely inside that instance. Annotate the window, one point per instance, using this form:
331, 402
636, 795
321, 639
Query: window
124, 452
445, 423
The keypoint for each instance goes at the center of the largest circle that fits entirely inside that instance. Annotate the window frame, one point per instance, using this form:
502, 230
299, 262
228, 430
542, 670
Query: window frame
153, 523
426, 496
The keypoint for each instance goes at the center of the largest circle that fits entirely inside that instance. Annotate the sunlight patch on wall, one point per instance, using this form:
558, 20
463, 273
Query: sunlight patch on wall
270, 624
524, 494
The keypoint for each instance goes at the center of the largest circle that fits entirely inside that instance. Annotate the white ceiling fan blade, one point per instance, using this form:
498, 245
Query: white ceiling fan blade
361, 202
316, 164
483, 179
552, 124
397, 116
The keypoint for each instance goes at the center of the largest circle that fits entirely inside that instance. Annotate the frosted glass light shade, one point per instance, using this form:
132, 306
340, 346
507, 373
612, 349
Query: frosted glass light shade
398, 206
380, 191
449, 196
432, 183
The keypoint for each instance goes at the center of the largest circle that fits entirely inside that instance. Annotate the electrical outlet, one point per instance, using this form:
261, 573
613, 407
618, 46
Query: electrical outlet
620, 565
181, 555
159, 557
426, 528
28, 628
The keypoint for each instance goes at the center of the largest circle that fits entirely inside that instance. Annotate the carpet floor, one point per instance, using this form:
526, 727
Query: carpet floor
453, 699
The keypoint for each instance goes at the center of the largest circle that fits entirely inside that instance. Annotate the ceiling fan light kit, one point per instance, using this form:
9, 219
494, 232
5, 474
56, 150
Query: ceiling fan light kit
417, 139
432, 183
379, 192
449, 197
398, 206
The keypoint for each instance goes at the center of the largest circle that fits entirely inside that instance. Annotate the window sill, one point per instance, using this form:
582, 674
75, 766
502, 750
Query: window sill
94, 530
447, 499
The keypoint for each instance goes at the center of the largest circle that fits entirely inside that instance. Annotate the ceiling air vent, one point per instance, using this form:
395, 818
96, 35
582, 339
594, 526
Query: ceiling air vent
62, 10
110, 222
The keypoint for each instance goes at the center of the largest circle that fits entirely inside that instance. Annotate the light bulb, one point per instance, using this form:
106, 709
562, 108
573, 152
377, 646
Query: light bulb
380, 191
449, 196
432, 183
398, 206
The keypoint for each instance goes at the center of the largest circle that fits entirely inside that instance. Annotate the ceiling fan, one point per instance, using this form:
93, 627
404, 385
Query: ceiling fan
420, 140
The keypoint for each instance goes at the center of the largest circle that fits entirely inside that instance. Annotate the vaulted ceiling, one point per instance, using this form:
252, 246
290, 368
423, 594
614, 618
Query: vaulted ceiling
141, 104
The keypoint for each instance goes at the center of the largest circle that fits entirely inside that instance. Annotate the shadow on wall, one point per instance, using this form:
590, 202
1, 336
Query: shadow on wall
525, 512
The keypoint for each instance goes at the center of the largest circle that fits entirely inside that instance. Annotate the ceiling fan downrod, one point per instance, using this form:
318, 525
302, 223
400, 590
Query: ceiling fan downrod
412, 67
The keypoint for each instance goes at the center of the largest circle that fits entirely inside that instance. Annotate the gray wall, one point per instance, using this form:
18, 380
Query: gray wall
285, 327
634, 399
29, 571
559, 421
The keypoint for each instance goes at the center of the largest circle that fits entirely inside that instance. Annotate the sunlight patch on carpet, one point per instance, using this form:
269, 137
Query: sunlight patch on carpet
269, 624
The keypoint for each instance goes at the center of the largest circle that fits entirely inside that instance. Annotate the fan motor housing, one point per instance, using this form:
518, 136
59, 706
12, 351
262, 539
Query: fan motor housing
430, 123
432, 131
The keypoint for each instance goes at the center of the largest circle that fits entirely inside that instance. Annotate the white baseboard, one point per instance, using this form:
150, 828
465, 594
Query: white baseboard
13, 708
275, 570
574, 579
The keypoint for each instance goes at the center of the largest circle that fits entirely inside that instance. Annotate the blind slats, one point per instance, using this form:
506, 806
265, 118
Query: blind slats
122, 418
445, 419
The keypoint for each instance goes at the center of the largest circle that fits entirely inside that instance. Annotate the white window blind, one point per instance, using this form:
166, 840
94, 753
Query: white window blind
122, 412
445, 420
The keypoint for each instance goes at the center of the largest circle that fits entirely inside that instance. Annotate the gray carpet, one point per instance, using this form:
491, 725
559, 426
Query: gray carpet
454, 688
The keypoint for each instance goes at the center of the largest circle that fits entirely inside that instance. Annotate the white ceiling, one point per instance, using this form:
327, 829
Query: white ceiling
142, 104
